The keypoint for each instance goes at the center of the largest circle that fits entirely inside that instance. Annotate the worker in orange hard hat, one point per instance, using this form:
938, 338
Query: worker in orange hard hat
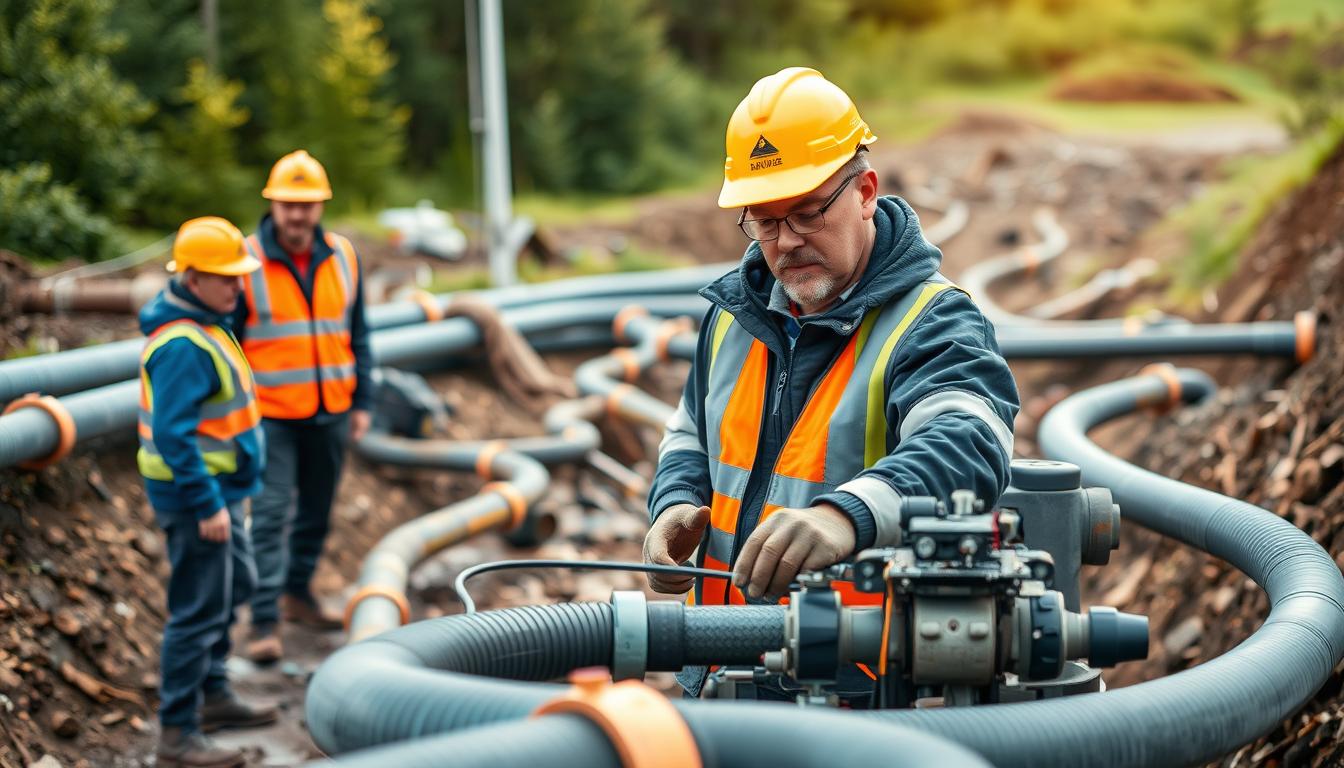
303, 328
839, 372
201, 459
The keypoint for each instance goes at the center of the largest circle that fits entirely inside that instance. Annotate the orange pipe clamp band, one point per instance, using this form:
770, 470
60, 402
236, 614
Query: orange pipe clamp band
487, 457
1030, 261
1304, 324
515, 498
65, 427
429, 305
666, 332
618, 393
629, 361
1166, 372
623, 319
375, 590
643, 726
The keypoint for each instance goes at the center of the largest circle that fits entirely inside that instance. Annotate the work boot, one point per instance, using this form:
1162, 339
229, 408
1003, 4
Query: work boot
264, 647
193, 749
309, 613
226, 710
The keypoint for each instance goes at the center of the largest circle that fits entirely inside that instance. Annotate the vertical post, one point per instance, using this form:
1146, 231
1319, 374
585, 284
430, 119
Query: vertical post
498, 185
210, 22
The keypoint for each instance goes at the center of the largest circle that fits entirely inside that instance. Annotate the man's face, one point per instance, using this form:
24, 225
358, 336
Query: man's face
218, 292
295, 222
814, 269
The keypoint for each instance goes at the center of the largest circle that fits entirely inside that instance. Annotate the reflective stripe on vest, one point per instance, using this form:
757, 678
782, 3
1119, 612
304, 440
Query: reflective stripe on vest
223, 416
300, 352
823, 449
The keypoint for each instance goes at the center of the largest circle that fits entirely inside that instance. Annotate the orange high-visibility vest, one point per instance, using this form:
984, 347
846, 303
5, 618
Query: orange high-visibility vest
841, 431
224, 416
300, 353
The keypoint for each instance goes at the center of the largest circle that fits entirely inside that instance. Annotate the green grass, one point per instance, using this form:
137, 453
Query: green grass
1218, 224
1280, 14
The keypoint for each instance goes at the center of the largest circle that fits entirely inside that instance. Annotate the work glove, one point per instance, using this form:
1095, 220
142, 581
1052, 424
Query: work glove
789, 541
674, 536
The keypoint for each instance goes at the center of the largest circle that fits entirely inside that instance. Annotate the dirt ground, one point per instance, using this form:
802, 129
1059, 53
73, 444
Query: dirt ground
81, 563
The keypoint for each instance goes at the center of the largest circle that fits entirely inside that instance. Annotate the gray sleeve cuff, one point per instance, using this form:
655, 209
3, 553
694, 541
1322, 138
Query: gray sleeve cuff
673, 497
858, 514
883, 504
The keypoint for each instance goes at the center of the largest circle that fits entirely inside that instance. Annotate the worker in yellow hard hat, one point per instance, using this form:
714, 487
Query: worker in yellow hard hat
303, 328
838, 372
201, 458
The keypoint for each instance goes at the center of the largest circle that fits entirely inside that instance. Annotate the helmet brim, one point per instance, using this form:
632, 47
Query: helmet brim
296, 195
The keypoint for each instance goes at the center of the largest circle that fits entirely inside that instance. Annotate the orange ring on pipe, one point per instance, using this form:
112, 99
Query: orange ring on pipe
1030, 260
65, 427
487, 456
1166, 372
515, 498
642, 725
618, 393
376, 590
666, 332
1132, 325
629, 361
428, 304
1304, 327
623, 319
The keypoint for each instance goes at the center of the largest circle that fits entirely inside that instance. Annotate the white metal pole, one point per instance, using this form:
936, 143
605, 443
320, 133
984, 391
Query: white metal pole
498, 184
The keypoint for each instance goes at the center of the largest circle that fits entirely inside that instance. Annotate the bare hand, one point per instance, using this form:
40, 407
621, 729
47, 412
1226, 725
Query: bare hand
359, 424
789, 541
215, 527
674, 536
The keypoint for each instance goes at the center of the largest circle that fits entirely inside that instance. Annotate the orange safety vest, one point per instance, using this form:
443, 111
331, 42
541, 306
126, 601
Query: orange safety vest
841, 431
224, 416
300, 352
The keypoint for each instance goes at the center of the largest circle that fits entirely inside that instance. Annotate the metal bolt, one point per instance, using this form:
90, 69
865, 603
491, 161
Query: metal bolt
930, 630
968, 546
978, 630
925, 547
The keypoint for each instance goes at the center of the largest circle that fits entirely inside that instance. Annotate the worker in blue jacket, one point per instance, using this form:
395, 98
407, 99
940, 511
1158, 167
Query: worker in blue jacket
201, 455
837, 371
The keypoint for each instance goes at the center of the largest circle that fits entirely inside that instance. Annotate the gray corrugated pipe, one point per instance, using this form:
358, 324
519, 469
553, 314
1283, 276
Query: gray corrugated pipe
1295, 340
434, 677
515, 466
1201, 713
36, 434
77, 370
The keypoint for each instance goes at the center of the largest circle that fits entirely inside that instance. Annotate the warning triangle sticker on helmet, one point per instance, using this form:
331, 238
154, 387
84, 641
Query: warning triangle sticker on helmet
763, 148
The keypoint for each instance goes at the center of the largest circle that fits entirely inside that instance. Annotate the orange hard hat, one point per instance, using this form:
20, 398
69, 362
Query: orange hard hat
211, 244
297, 178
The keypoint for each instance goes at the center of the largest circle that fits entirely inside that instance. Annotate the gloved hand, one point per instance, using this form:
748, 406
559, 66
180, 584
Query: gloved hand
672, 539
789, 541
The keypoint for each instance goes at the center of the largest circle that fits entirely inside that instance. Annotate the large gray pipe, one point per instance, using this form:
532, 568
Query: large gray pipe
30, 434
435, 677
77, 370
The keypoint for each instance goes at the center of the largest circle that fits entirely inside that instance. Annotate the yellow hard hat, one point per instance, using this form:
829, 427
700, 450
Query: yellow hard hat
297, 178
792, 131
211, 244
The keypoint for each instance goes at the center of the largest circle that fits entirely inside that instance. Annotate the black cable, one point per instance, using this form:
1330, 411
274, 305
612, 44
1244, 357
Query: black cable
460, 583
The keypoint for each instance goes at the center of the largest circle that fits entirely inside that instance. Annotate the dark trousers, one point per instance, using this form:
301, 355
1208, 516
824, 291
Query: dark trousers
291, 517
209, 580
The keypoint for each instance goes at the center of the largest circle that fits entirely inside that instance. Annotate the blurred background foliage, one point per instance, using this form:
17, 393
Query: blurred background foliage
122, 115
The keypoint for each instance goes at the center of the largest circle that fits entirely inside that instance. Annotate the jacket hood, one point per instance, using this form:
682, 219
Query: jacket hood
901, 259
175, 302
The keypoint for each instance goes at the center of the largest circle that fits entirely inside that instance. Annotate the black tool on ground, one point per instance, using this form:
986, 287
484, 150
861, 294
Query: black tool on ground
405, 404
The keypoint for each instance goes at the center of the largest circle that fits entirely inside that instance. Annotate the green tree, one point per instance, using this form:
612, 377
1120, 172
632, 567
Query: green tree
42, 219
357, 132
198, 172
62, 105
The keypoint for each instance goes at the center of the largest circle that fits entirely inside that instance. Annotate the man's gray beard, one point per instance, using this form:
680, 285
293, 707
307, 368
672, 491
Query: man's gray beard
812, 291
